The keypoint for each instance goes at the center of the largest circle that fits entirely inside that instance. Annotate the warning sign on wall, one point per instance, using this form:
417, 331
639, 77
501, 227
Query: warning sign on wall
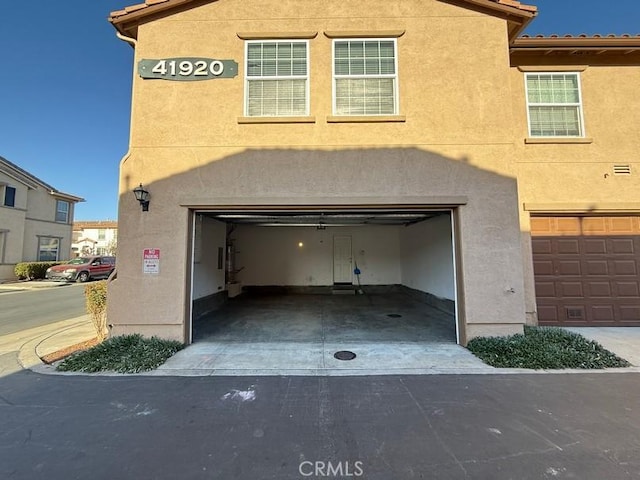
151, 261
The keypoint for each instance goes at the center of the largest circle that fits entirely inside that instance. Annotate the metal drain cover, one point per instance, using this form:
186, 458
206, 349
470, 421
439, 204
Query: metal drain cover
344, 355
394, 315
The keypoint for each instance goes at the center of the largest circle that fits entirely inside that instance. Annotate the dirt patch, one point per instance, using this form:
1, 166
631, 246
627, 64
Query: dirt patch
65, 352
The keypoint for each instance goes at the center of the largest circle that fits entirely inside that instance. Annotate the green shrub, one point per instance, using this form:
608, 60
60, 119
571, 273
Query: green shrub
124, 354
544, 348
33, 270
96, 302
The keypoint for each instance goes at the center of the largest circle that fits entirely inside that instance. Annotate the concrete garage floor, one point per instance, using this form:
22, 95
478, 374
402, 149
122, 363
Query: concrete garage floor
299, 335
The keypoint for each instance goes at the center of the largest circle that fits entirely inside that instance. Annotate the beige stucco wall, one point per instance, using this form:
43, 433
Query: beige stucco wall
32, 216
459, 137
578, 177
40, 222
11, 227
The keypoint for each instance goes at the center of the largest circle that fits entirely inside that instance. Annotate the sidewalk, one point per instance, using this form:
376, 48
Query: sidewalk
21, 285
38, 342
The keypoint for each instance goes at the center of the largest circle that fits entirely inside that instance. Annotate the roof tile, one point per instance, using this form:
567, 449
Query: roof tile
583, 35
149, 3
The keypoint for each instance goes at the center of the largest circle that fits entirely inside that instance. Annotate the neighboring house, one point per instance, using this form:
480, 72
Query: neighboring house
35, 219
426, 141
94, 237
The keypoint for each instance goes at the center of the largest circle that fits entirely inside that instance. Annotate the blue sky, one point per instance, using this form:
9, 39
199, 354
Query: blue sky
65, 86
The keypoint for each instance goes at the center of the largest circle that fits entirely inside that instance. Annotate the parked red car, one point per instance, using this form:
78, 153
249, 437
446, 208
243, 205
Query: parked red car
82, 269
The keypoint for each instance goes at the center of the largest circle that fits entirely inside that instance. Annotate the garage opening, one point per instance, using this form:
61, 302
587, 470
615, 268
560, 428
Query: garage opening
383, 275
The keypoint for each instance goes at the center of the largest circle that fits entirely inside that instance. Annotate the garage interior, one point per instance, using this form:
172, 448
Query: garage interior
285, 291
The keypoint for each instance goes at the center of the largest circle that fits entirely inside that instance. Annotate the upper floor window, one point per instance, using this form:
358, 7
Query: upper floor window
554, 105
365, 79
102, 234
277, 78
9, 196
62, 211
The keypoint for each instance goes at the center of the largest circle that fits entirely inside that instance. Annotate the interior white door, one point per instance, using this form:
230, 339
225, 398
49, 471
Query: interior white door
342, 259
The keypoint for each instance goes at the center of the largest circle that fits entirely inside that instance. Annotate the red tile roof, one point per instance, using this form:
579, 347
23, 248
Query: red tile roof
150, 3
99, 224
583, 35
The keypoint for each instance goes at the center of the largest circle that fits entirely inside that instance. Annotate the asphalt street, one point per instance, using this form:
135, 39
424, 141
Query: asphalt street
540, 426
26, 309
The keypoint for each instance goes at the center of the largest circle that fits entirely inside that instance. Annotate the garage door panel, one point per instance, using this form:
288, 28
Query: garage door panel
597, 267
567, 225
541, 245
628, 289
568, 246
603, 313
548, 315
571, 289
586, 270
574, 313
621, 225
625, 267
543, 267
569, 267
599, 289
542, 225
622, 246
595, 245
594, 225
630, 313
546, 289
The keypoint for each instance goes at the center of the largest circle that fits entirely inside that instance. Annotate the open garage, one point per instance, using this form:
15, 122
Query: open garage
328, 279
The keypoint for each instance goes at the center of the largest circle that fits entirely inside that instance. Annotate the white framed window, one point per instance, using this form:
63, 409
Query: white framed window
9, 196
62, 211
48, 249
554, 104
277, 78
365, 77
102, 234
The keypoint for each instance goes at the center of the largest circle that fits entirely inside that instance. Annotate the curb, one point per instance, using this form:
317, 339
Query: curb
28, 356
20, 286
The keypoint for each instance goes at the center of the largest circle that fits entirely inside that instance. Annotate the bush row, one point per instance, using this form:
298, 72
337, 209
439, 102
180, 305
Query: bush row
33, 270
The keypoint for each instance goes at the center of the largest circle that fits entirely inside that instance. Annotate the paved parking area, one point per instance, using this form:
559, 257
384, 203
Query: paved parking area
389, 333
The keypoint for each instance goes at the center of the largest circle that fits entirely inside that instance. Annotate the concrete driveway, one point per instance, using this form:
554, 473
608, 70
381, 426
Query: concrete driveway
389, 334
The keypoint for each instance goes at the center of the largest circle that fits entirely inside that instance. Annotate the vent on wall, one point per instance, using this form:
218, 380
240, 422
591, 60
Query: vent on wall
622, 169
574, 313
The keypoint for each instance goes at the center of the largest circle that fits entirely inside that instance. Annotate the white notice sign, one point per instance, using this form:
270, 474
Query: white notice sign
151, 261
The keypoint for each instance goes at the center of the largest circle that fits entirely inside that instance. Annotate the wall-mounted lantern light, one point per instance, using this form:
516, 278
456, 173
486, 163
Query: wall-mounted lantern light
143, 197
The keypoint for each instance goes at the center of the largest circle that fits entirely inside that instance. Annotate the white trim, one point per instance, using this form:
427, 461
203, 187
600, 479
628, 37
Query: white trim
68, 212
395, 76
455, 277
579, 104
306, 78
193, 267
59, 239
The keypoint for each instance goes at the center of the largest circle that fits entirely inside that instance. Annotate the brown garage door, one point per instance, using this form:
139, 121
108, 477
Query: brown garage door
586, 270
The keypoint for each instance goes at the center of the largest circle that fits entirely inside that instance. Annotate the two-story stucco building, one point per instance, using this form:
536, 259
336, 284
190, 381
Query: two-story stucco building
35, 219
422, 144
94, 237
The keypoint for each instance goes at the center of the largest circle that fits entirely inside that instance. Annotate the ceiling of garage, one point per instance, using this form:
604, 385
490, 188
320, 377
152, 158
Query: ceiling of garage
322, 219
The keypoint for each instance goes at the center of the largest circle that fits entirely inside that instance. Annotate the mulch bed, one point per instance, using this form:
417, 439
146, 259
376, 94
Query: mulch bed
65, 352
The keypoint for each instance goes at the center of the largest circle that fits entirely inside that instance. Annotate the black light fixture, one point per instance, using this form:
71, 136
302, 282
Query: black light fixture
143, 197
